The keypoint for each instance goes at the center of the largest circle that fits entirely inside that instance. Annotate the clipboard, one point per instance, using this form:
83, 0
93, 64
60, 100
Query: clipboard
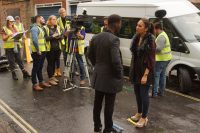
18, 35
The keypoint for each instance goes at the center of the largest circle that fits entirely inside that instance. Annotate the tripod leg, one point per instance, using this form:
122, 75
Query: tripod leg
86, 69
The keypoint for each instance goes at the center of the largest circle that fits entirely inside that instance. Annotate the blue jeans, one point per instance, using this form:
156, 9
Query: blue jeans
160, 77
81, 66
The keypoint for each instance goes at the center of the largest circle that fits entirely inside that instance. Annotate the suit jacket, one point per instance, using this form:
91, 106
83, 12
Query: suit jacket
105, 55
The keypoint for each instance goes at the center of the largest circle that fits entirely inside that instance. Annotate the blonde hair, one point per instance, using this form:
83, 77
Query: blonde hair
50, 18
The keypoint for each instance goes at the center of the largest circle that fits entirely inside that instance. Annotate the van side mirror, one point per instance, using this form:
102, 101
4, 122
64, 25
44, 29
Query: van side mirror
179, 45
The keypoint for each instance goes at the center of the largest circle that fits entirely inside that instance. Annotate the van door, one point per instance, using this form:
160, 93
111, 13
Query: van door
174, 39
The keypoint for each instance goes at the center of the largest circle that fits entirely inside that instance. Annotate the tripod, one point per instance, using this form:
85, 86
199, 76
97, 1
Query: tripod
69, 72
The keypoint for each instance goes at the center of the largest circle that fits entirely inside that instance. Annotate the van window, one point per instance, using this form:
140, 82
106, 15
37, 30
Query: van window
128, 27
171, 32
93, 24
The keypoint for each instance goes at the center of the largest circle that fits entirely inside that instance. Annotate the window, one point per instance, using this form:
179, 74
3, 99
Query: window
93, 24
171, 32
128, 28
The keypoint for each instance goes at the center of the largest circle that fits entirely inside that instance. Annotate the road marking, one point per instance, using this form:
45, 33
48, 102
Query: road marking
183, 95
132, 122
16, 118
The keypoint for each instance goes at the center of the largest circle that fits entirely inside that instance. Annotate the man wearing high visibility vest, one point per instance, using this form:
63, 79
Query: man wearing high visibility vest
163, 57
38, 45
64, 24
80, 51
12, 47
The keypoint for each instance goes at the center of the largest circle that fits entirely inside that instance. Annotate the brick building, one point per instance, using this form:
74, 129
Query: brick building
29, 8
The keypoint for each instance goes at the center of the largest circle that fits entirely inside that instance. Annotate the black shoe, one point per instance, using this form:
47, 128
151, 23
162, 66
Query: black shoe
110, 131
98, 130
14, 76
26, 75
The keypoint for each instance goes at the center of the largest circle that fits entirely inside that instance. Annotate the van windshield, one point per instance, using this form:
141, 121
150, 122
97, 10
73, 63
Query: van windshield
188, 26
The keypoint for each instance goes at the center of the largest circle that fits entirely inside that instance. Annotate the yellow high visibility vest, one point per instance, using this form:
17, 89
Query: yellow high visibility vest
19, 28
60, 23
165, 54
9, 43
41, 41
81, 44
63, 28
48, 45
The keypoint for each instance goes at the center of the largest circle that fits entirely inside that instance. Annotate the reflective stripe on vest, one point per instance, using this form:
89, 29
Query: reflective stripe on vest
48, 45
60, 23
41, 41
165, 54
81, 44
9, 43
67, 27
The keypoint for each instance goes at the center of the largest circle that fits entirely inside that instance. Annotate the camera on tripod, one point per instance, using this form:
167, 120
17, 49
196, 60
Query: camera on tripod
76, 25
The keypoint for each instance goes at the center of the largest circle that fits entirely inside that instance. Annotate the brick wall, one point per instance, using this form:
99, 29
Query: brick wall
22, 7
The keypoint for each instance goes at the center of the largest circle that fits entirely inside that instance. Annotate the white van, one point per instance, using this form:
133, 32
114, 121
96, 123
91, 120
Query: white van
182, 24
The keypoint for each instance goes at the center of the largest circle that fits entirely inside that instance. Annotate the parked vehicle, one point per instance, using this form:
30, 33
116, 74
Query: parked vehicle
182, 24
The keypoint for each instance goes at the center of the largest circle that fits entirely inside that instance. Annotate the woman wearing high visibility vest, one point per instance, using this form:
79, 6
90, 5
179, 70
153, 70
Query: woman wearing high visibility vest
54, 41
141, 70
12, 48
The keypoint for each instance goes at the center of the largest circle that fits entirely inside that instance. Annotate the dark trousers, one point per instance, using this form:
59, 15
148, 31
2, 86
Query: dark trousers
14, 57
38, 61
142, 98
52, 57
81, 66
108, 110
58, 63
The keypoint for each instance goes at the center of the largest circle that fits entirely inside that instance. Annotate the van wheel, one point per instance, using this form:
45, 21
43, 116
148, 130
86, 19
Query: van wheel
185, 82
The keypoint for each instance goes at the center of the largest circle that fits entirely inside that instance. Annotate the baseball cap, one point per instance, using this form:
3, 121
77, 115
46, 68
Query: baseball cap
10, 18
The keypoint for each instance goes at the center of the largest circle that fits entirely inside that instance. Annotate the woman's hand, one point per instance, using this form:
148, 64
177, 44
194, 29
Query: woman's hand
144, 80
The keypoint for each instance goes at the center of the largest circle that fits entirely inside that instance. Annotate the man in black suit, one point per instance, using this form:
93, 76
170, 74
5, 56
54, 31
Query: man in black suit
105, 55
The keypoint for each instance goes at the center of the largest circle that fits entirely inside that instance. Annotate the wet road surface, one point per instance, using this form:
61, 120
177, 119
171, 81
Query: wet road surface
55, 111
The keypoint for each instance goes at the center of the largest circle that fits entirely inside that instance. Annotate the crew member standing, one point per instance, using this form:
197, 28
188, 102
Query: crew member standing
64, 24
105, 55
12, 48
20, 27
54, 41
80, 51
38, 54
163, 57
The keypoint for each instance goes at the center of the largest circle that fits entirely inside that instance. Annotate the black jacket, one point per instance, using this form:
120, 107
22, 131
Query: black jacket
105, 55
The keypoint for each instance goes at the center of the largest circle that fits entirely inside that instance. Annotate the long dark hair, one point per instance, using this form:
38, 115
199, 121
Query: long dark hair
149, 34
148, 25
